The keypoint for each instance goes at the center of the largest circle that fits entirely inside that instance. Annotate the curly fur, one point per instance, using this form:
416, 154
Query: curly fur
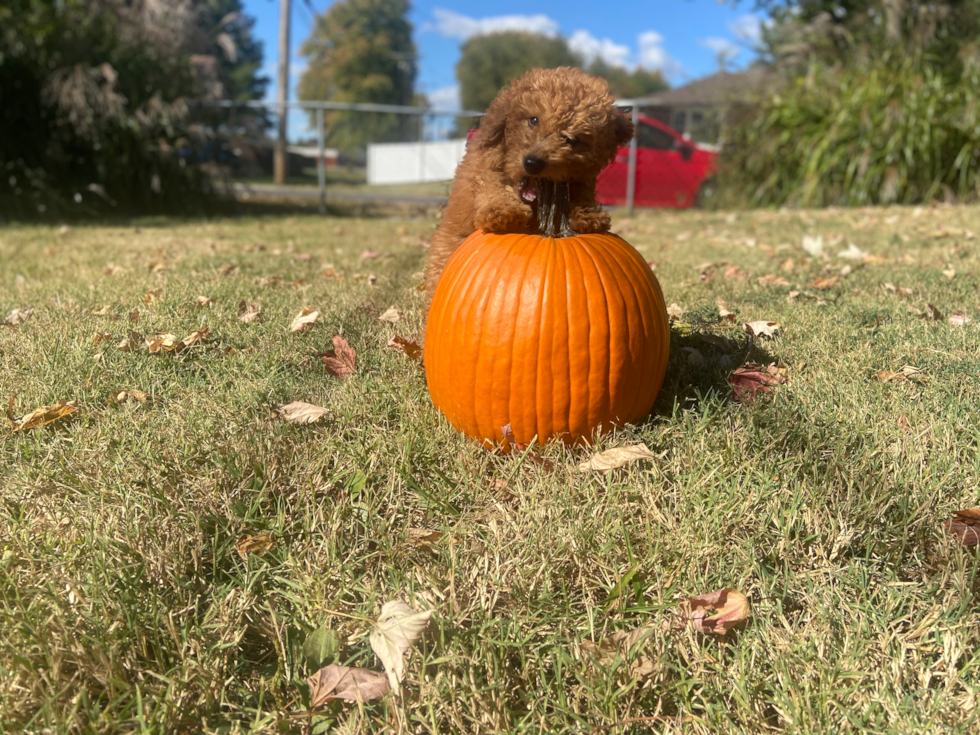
578, 132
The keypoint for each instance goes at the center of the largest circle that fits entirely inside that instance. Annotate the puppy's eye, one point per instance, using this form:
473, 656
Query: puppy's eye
532, 122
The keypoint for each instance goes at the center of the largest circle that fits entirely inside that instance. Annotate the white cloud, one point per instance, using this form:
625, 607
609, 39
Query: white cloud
450, 24
445, 98
654, 57
723, 49
592, 48
746, 28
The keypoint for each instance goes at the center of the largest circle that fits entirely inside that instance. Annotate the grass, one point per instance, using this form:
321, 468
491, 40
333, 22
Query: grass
355, 179
126, 608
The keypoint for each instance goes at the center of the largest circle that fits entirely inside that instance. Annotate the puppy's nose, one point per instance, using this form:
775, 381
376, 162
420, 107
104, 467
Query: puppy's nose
534, 165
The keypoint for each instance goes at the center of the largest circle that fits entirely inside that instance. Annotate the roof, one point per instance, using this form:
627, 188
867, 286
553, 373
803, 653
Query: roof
711, 91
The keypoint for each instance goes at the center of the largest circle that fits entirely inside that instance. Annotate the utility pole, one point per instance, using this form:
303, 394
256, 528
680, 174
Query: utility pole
282, 91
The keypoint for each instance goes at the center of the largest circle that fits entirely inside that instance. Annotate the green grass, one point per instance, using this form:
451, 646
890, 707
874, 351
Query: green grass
125, 607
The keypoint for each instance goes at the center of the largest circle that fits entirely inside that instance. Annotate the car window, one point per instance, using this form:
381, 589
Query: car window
651, 137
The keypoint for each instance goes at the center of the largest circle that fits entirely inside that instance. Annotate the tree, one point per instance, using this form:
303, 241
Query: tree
489, 63
96, 95
626, 84
362, 51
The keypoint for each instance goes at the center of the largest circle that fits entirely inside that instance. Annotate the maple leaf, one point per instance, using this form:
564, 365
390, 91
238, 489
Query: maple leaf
304, 319
761, 329
752, 378
406, 346
728, 609
256, 544
341, 360
396, 631
348, 683
615, 458
966, 525
40, 416
18, 317
392, 315
301, 413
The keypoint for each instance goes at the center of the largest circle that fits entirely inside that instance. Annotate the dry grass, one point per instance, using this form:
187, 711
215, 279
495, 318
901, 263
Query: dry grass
126, 608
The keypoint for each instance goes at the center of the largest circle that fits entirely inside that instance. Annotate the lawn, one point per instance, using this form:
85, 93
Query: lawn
136, 594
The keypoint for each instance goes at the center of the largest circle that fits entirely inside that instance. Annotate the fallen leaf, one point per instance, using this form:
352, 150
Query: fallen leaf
197, 336
40, 416
113, 270
723, 311
406, 346
733, 271
397, 630
793, 296
846, 271
959, 319
813, 245
348, 683
155, 266
615, 458
229, 269
906, 372
304, 319
331, 274
103, 310
248, 313
256, 544
164, 343
674, 311
424, 535
787, 265
822, 284
853, 252
370, 255
341, 360
966, 525
772, 280
932, 314
392, 315
18, 317
751, 379
706, 272
728, 608
950, 273
100, 337
321, 646
121, 396
150, 296
134, 316
762, 328
204, 301
625, 646
301, 413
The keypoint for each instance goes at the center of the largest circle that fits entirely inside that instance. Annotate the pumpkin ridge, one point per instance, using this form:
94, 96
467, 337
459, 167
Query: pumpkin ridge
545, 425
514, 375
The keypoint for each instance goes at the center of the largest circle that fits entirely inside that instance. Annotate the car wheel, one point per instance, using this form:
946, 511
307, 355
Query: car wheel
707, 193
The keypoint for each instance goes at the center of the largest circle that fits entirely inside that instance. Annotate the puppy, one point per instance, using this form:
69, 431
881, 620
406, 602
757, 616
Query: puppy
556, 124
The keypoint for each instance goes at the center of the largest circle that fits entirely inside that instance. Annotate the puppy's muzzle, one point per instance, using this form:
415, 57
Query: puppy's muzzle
534, 165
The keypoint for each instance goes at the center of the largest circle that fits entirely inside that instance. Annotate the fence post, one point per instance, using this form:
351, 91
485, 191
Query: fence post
631, 171
321, 164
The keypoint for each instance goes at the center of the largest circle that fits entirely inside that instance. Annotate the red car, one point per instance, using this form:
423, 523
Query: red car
670, 170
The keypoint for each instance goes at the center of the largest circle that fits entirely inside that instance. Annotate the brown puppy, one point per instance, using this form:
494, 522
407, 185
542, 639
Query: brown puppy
556, 124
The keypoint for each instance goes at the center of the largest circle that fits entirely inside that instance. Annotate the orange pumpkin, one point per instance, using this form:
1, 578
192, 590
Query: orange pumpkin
558, 337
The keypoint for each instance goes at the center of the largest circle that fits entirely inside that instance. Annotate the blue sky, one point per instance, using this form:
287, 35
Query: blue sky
682, 38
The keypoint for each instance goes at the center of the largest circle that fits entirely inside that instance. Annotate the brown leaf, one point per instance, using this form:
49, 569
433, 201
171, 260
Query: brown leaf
229, 269
931, 313
164, 343
625, 646
751, 379
301, 413
370, 255
114, 270
348, 683
134, 316
18, 317
966, 525
423, 536
407, 347
906, 372
155, 266
822, 284
772, 280
100, 337
762, 328
204, 301
717, 612
150, 296
304, 319
617, 457
341, 360
40, 416
257, 544
331, 274
197, 336
121, 396
723, 311
248, 313
706, 272
959, 319
103, 310
674, 311
392, 315
787, 265
733, 271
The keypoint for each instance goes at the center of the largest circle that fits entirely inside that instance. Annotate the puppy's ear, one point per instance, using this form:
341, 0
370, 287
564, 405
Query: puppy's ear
494, 121
623, 128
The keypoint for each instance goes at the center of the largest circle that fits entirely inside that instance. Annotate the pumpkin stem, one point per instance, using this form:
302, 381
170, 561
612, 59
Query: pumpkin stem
554, 205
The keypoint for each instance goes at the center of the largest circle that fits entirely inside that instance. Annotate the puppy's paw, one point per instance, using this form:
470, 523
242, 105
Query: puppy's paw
510, 218
589, 220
